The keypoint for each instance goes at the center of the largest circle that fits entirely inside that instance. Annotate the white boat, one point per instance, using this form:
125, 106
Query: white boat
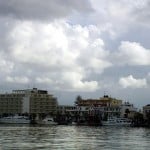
114, 121
74, 123
47, 121
15, 120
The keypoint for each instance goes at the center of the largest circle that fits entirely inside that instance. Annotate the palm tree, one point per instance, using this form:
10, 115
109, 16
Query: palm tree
78, 98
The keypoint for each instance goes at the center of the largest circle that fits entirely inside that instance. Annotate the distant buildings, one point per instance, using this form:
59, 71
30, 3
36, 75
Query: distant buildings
105, 106
146, 111
39, 104
128, 110
66, 109
29, 101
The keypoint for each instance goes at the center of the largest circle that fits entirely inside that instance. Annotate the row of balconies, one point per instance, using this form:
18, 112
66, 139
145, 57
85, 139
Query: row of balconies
30, 111
10, 111
43, 104
20, 96
42, 100
10, 103
41, 96
10, 106
10, 99
11, 96
15, 100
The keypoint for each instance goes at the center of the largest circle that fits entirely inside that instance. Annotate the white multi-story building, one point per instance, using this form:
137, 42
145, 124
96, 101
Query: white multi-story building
146, 110
127, 109
30, 101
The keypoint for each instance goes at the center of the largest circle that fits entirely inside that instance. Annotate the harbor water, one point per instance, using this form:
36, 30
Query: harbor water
25, 137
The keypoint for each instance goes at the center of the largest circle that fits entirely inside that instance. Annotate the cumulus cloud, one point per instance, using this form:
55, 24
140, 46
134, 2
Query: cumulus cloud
17, 80
42, 80
117, 17
131, 82
68, 81
132, 53
56, 53
75, 81
40, 10
6, 66
65, 45
142, 14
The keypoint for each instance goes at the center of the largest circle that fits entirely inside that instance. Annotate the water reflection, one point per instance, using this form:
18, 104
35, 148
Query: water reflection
73, 138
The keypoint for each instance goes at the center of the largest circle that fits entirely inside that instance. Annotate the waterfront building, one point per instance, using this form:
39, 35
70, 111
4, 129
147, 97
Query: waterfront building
104, 106
146, 111
128, 110
66, 109
65, 114
28, 101
103, 101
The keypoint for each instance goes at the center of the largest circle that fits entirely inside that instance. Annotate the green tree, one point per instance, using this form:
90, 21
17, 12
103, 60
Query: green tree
78, 98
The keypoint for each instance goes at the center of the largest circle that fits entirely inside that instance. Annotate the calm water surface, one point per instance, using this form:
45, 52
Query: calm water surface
16, 137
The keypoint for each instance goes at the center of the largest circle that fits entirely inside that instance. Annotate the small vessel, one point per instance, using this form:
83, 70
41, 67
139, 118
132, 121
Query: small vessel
74, 123
15, 120
114, 121
47, 121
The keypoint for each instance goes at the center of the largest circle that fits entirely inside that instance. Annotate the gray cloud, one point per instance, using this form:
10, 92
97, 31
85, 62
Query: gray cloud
42, 9
143, 14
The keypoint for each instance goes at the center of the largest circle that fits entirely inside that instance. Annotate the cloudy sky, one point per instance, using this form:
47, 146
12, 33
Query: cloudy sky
70, 48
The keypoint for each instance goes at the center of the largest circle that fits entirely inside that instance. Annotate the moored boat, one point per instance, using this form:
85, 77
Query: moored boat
114, 121
47, 121
15, 120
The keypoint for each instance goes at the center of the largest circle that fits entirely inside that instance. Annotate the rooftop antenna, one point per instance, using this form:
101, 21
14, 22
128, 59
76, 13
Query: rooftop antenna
104, 93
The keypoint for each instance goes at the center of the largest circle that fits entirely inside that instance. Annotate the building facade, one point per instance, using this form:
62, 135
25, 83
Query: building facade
29, 101
128, 110
104, 106
146, 111
66, 109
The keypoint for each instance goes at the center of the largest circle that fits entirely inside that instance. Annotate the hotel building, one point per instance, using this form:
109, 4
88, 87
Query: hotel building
30, 101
